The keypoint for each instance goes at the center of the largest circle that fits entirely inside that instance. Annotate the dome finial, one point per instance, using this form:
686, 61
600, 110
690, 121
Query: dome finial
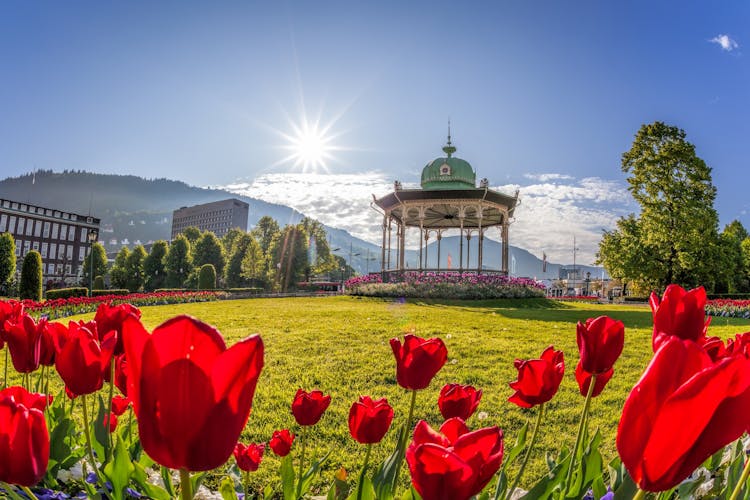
449, 149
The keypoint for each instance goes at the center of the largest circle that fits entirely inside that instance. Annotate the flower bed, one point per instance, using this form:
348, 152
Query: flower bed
60, 308
729, 308
445, 285
577, 298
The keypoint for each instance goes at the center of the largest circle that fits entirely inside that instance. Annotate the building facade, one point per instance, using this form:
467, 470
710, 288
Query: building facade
218, 217
62, 238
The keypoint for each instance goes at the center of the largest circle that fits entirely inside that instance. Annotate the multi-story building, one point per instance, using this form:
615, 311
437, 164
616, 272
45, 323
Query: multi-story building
62, 238
217, 217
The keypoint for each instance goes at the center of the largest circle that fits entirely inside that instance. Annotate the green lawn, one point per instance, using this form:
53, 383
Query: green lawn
340, 345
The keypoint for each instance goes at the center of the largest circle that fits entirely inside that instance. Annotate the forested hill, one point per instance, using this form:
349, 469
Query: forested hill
131, 208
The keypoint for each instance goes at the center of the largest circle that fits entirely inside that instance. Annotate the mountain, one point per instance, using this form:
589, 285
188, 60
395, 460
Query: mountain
133, 209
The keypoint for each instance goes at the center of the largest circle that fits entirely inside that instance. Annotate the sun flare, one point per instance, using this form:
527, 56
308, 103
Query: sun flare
310, 146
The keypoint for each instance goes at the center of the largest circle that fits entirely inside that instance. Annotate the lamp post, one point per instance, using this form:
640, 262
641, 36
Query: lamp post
92, 236
588, 282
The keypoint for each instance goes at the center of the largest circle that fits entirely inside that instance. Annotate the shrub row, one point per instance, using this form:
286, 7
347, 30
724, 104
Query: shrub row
66, 293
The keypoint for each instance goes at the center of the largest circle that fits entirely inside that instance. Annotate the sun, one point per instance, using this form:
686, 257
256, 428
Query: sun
310, 146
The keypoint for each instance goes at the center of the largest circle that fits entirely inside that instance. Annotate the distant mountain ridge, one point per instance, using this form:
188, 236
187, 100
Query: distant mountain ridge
133, 209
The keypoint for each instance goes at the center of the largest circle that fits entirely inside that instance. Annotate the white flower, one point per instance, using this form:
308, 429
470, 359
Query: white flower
518, 493
482, 415
448, 336
454, 361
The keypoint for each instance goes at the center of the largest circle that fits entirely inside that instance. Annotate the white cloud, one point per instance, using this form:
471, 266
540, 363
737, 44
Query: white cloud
725, 42
548, 177
547, 218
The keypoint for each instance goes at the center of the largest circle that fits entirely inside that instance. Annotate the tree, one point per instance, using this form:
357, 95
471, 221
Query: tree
253, 265
237, 252
31, 277
675, 238
100, 263
289, 255
192, 234
265, 231
209, 250
154, 267
230, 237
119, 272
731, 276
7, 260
207, 278
178, 262
322, 258
134, 269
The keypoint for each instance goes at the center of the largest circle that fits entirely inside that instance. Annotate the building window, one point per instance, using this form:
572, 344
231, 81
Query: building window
21, 225
63, 232
69, 253
61, 252
44, 250
18, 248
50, 269
81, 253
67, 269
3, 223
12, 225
55, 230
46, 230
38, 229
26, 247
84, 233
53, 250
29, 227
72, 233
35, 246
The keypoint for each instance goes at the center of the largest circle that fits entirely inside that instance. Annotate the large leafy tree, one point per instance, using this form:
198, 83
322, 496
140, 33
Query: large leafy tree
321, 258
209, 250
154, 267
265, 231
134, 269
119, 272
7, 260
178, 262
98, 255
288, 253
732, 276
237, 252
253, 265
675, 237
192, 234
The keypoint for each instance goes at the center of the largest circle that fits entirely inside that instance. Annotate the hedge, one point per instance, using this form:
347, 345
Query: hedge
66, 293
114, 291
207, 277
31, 277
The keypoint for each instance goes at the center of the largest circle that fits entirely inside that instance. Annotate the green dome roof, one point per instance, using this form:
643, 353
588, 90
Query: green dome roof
448, 172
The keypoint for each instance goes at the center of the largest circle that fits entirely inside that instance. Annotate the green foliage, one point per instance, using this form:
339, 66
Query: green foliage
100, 262
135, 275
119, 272
7, 259
99, 283
733, 276
207, 277
209, 250
178, 263
675, 238
154, 267
65, 293
112, 291
253, 265
446, 291
31, 277
289, 256
192, 234
227, 241
322, 258
237, 251
265, 231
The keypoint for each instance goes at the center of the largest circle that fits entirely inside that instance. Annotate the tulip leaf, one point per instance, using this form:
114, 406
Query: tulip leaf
307, 477
518, 447
386, 475
6, 488
287, 478
226, 489
196, 480
626, 487
119, 469
166, 477
365, 490
734, 470
140, 478
101, 431
502, 485
550, 481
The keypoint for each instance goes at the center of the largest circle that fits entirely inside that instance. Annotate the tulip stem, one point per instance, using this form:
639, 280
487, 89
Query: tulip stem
639, 495
405, 439
87, 433
741, 482
528, 451
5, 377
186, 489
246, 484
360, 485
579, 437
302, 435
110, 441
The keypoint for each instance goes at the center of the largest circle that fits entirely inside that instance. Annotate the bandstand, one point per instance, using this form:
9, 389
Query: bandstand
448, 201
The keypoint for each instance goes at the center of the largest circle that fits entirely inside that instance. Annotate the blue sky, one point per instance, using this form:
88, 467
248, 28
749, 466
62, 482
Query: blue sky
204, 92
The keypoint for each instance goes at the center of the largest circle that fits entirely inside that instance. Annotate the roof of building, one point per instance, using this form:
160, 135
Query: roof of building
448, 172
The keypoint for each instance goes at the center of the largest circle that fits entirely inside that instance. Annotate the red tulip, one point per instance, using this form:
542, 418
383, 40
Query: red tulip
584, 380
681, 314
191, 394
10, 310
458, 400
110, 318
81, 360
24, 441
684, 409
249, 457
281, 442
24, 342
308, 407
121, 374
453, 464
369, 420
110, 422
119, 405
418, 360
538, 379
600, 343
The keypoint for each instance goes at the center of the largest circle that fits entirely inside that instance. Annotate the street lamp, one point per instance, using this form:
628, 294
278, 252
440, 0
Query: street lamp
92, 236
588, 281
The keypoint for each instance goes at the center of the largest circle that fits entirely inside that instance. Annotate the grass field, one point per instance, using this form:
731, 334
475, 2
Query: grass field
340, 345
